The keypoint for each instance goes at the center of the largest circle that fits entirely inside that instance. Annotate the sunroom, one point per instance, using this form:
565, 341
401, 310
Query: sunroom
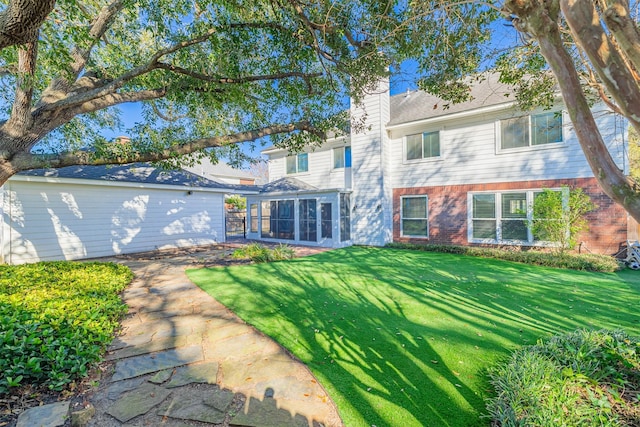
290, 211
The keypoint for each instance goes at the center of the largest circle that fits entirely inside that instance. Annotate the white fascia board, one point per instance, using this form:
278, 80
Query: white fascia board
453, 116
296, 193
328, 141
121, 184
273, 150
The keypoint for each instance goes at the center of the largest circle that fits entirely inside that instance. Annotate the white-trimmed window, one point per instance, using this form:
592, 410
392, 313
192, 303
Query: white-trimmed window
422, 146
414, 216
502, 217
531, 131
342, 157
298, 163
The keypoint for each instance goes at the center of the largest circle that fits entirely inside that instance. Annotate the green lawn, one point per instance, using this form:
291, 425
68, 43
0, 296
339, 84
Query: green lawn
402, 337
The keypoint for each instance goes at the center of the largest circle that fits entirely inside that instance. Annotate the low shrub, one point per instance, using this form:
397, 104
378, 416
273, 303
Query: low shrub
575, 379
588, 262
282, 252
253, 251
56, 319
260, 253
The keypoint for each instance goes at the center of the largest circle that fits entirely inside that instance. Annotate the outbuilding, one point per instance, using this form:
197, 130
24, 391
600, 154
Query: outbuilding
81, 212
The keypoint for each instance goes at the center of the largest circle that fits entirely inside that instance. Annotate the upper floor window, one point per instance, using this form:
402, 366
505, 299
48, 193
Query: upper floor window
342, 157
529, 131
298, 163
423, 145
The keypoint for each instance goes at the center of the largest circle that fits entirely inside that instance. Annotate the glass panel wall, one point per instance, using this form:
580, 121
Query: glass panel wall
308, 220
326, 224
345, 217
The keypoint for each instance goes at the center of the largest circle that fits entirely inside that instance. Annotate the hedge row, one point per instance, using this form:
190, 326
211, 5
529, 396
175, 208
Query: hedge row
588, 262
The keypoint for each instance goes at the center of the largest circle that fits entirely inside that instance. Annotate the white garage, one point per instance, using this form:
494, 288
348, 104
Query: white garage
85, 212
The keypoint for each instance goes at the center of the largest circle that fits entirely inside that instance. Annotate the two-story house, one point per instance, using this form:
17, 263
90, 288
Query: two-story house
428, 171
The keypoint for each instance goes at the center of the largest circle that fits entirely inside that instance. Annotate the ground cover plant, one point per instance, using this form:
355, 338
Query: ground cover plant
574, 261
401, 337
574, 379
56, 318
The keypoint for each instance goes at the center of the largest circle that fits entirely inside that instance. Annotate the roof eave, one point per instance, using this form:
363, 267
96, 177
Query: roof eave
453, 116
130, 184
301, 192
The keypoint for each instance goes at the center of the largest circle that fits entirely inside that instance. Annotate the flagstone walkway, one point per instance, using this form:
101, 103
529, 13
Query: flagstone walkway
183, 359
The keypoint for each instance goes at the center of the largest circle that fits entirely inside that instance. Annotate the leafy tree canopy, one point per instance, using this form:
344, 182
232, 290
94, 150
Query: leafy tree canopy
208, 73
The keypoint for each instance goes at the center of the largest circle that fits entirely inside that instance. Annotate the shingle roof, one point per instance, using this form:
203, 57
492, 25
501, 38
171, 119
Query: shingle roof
205, 168
419, 105
142, 173
286, 184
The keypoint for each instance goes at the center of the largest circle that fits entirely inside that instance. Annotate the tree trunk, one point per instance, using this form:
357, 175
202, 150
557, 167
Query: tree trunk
612, 180
21, 19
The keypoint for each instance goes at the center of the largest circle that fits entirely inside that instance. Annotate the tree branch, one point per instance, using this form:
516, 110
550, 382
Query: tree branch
20, 118
618, 19
239, 80
113, 85
26, 161
99, 27
20, 21
612, 180
112, 99
54, 100
604, 56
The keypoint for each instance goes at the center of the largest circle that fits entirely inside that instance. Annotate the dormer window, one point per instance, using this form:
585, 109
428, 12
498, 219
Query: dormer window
298, 163
422, 146
531, 131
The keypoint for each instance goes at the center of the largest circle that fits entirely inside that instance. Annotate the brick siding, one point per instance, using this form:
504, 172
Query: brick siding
448, 213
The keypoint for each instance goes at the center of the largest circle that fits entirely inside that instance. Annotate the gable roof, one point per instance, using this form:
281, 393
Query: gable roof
140, 173
209, 170
420, 105
287, 185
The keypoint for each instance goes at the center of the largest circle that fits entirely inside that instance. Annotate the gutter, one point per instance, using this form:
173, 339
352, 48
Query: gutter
298, 193
128, 184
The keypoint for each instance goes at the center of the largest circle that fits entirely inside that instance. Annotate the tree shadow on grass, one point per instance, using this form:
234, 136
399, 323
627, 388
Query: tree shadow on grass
403, 338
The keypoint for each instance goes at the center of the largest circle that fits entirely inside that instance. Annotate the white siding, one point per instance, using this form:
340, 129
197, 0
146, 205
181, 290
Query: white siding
371, 199
469, 154
54, 221
321, 173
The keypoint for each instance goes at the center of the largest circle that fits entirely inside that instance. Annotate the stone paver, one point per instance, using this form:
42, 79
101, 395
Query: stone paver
51, 415
193, 408
116, 389
184, 358
155, 345
206, 373
149, 363
265, 413
138, 402
220, 399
